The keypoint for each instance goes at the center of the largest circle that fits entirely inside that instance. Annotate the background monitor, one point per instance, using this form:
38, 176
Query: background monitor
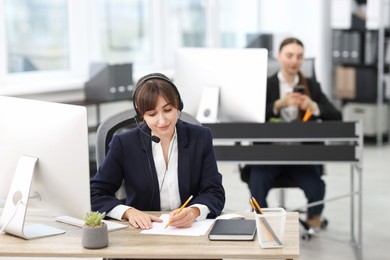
239, 74
56, 134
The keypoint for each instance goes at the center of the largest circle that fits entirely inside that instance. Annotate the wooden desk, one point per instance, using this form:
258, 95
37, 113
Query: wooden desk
129, 243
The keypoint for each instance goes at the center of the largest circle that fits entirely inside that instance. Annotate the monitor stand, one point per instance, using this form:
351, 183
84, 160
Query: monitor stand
15, 209
208, 107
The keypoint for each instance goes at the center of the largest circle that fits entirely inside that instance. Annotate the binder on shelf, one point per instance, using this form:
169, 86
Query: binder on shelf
345, 47
336, 47
345, 82
386, 79
370, 47
355, 47
387, 52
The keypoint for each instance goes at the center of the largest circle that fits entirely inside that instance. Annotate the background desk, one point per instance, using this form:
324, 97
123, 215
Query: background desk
309, 143
129, 243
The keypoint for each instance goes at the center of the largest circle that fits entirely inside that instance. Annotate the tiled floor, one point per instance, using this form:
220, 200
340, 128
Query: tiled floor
334, 242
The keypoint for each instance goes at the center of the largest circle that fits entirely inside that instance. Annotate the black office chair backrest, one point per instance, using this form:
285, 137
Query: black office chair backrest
119, 123
307, 69
107, 129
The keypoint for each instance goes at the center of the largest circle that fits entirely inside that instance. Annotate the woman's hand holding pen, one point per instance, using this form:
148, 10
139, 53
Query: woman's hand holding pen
139, 219
185, 218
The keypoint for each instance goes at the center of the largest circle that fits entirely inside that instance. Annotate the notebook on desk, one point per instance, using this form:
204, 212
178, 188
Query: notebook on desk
233, 229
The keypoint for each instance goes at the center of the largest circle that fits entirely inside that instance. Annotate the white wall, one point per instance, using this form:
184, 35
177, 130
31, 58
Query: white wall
305, 19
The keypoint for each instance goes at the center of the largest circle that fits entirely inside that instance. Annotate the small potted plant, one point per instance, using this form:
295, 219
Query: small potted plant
95, 232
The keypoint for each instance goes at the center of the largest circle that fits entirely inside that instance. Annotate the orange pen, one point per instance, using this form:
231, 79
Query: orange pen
307, 115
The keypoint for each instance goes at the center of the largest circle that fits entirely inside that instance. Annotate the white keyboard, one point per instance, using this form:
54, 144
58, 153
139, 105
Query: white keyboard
111, 226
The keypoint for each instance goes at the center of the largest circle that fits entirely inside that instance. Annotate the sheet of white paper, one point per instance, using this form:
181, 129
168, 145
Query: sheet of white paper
199, 228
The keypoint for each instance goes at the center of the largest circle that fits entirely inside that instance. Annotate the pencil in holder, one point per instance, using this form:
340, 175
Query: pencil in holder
270, 227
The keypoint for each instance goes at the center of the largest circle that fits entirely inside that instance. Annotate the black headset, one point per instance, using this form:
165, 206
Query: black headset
160, 76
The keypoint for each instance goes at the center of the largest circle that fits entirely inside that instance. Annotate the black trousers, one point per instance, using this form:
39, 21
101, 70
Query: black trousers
306, 177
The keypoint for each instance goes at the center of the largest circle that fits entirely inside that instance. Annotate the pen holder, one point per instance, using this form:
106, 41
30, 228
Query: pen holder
270, 227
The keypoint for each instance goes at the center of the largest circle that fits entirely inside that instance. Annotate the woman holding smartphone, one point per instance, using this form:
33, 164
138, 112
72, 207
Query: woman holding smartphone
288, 90
289, 97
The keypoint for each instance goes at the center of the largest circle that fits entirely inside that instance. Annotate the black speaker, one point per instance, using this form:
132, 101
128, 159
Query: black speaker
109, 82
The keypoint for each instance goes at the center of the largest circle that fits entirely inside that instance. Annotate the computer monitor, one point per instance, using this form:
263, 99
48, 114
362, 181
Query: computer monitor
44, 163
222, 85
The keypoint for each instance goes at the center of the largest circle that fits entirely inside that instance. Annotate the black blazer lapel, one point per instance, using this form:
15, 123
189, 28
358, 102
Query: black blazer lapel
183, 161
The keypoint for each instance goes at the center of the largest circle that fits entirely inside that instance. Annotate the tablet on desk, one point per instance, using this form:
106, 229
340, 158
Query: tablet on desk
111, 226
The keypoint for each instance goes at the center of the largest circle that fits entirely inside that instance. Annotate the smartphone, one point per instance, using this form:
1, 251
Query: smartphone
299, 89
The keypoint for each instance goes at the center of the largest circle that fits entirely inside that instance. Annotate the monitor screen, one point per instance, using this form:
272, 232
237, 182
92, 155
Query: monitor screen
240, 75
57, 136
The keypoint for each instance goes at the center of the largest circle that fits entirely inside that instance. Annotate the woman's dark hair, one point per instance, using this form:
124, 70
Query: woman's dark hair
289, 41
147, 94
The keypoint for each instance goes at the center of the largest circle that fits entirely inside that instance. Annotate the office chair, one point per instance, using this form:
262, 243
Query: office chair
119, 123
106, 130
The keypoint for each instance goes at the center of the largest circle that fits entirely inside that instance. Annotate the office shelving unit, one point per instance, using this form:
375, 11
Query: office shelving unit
359, 68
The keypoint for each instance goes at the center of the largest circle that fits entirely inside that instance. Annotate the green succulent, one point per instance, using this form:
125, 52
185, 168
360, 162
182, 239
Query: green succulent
94, 218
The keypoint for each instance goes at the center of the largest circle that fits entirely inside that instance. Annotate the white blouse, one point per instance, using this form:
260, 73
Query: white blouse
167, 176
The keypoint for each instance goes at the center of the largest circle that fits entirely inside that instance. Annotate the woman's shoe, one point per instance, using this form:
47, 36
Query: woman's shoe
315, 222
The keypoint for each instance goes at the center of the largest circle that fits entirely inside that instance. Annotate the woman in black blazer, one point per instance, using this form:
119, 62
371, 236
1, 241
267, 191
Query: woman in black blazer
289, 96
162, 163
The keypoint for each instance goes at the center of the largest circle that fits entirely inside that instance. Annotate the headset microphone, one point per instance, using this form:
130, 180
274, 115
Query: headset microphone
154, 138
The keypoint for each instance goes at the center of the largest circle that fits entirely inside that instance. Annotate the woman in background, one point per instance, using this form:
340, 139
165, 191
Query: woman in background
290, 97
